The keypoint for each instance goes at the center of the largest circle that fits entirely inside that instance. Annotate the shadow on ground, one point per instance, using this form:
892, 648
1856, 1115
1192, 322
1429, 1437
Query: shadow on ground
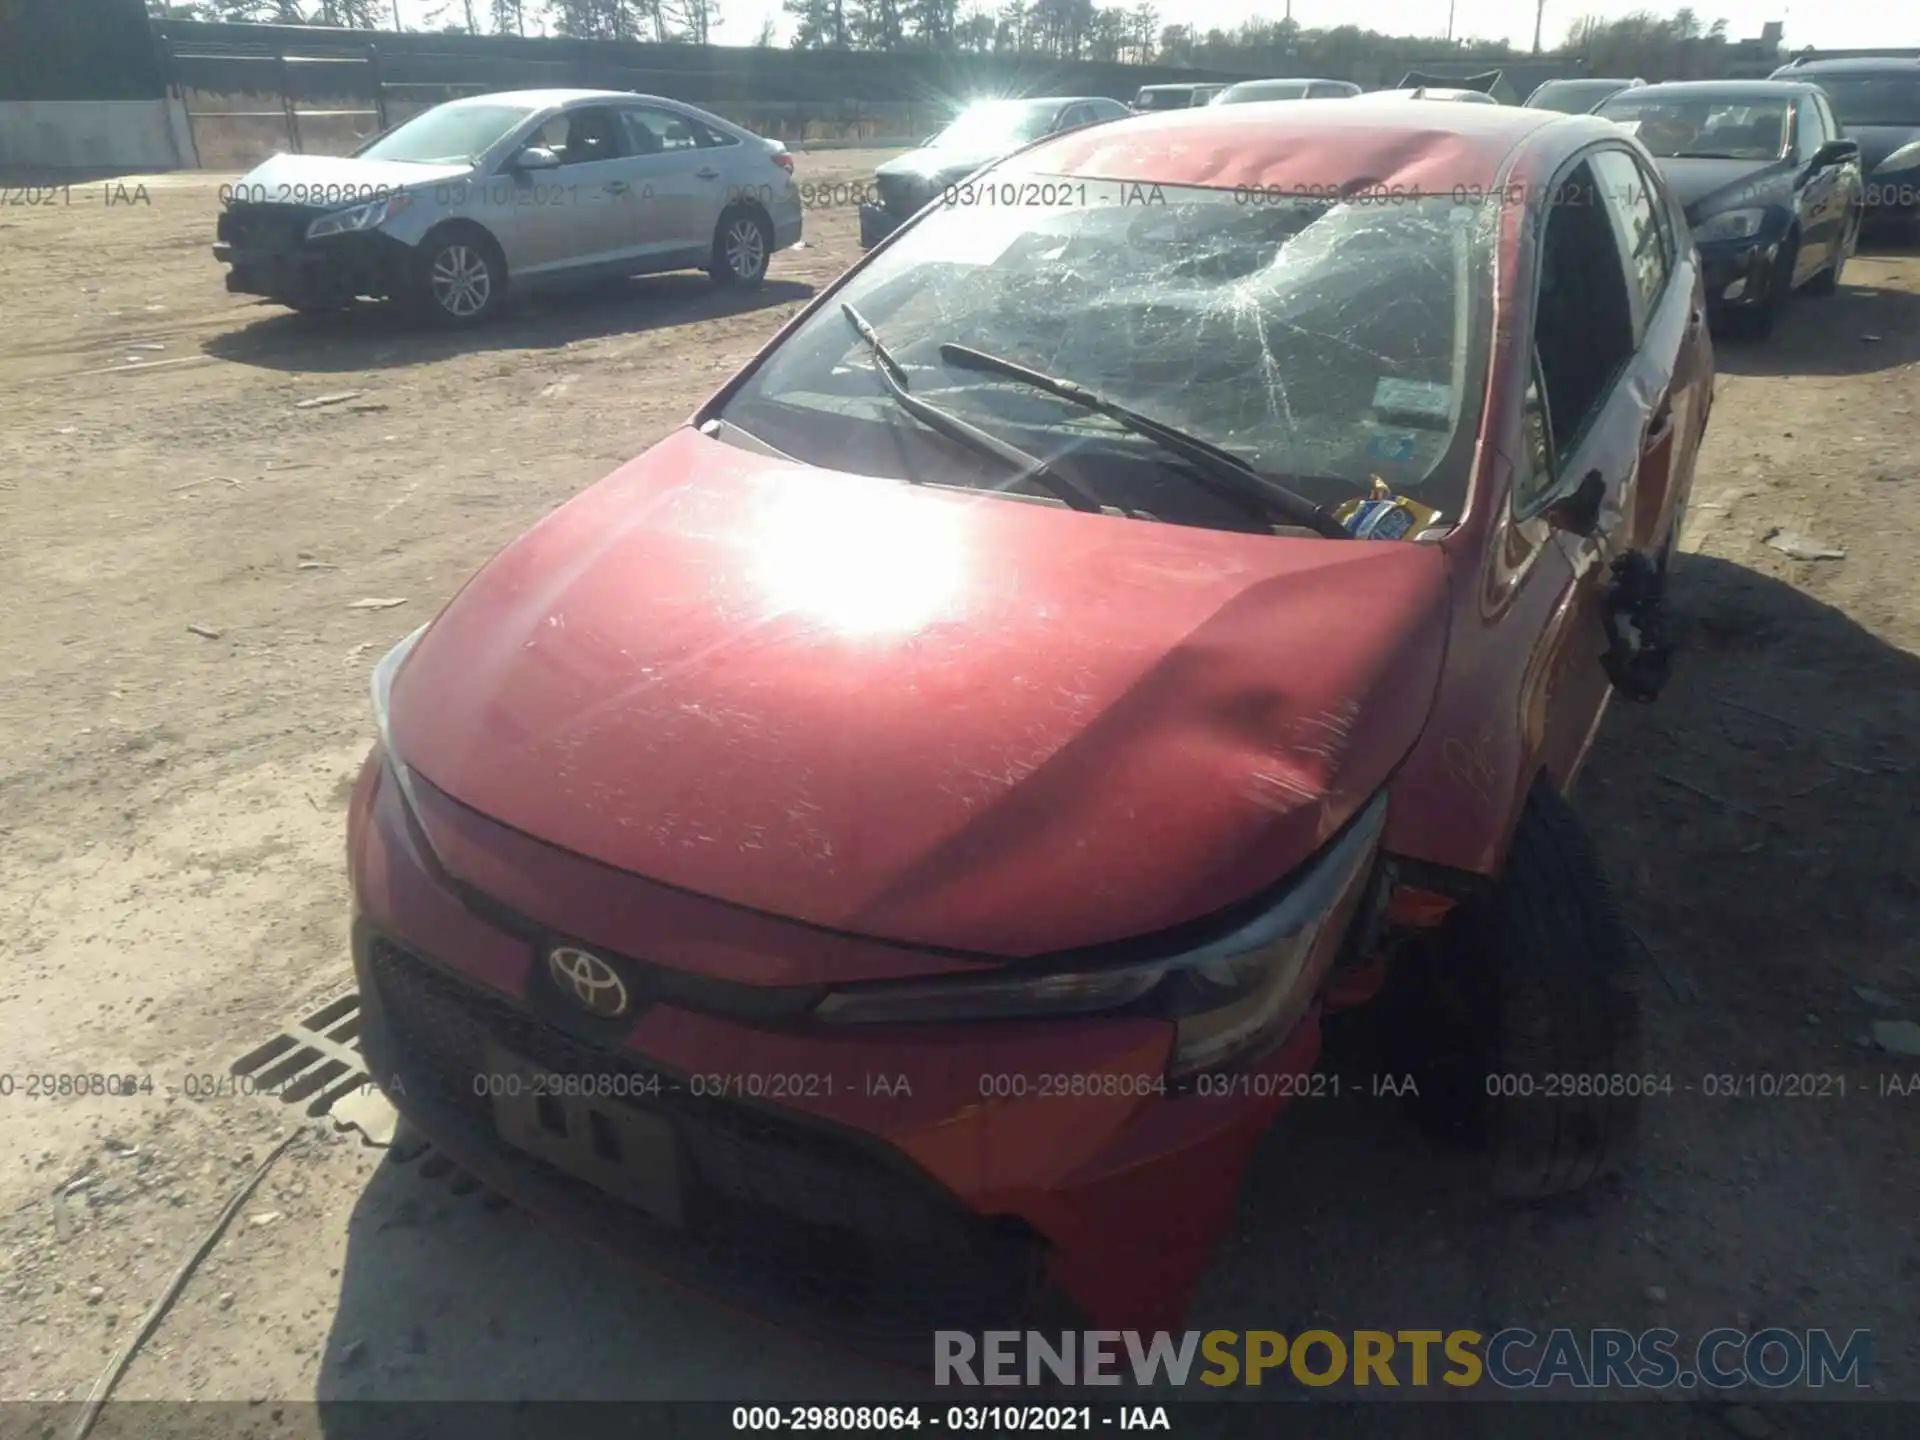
1861, 329
1760, 823
377, 337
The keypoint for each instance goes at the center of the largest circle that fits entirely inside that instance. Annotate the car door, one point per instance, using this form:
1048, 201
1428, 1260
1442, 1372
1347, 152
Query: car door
1821, 201
544, 219
683, 189
1605, 329
1851, 187
1667, 328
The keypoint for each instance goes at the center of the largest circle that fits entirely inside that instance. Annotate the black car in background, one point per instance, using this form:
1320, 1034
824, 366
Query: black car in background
1577, 96
981, 133
1877, 99
1771, 188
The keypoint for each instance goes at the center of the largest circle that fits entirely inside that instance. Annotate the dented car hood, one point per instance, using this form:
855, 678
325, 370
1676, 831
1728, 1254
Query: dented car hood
930, 716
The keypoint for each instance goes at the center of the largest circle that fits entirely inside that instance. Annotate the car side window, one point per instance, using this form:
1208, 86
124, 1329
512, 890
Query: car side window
1828, 118
1583, 332
1807, 136
581, 137
1072, 118
708, 138
1639, 218
659, 132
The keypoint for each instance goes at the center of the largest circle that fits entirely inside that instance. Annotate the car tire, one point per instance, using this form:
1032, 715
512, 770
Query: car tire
742, 249
1531, 998
459, 279
1757, 322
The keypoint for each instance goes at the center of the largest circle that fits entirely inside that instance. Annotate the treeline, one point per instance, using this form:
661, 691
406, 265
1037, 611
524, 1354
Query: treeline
1643, 43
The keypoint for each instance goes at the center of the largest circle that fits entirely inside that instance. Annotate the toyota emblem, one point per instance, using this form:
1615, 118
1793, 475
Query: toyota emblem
588, 981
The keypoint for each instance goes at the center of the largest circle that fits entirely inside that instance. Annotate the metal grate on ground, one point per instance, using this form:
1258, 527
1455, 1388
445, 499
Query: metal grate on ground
315, 1062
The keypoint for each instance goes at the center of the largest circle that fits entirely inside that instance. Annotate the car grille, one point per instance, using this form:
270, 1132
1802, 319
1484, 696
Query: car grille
901, 194
783, 1205
267, 227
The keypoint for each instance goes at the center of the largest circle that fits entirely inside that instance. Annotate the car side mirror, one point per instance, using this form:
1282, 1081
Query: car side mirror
1836, 152
536, 157
1578, 513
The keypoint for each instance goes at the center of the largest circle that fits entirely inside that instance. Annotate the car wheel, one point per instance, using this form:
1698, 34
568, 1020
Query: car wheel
1523, 1021
742, 249
1757, 322
459, 279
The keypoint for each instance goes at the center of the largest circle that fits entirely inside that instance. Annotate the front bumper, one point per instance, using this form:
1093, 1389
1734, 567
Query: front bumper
876, 223
875, 1217
269, 255
1738, 273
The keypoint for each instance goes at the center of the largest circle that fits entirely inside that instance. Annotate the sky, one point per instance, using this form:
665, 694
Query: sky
1824, 24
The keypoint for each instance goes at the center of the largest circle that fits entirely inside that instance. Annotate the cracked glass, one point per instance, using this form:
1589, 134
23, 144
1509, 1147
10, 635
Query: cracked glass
1324, 342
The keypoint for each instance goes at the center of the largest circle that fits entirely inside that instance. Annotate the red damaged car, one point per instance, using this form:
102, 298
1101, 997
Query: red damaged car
886, 853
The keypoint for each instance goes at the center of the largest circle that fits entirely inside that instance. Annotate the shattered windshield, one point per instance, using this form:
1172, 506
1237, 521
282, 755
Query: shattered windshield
1322, 343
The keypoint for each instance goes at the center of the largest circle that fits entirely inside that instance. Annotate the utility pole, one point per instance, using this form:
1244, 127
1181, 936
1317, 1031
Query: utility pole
396, 16
1539, 15
1450, 4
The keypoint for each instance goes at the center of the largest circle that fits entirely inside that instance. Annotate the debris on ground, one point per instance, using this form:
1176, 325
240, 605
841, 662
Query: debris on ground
205, 632
369, 1112
319, 400
1796, 546
375, 603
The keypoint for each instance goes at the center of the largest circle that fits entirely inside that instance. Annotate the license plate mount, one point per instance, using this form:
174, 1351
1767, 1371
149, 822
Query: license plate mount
601, 1139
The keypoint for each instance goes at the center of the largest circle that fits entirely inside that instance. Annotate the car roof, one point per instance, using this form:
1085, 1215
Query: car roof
1853, 65
1449, 93
1034, 100
1424, 145
541, 99
1729, 89
1585, 80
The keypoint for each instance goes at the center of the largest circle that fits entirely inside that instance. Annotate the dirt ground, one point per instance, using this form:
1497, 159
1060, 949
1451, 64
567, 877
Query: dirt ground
183, 701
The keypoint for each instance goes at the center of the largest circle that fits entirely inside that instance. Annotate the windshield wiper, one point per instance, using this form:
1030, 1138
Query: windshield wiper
1222, 466
894, 376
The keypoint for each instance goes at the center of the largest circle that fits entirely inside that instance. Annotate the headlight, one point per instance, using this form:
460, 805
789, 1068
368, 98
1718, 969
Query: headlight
382, 685
1905, 158
370, 216
1730, 225
1228, 1000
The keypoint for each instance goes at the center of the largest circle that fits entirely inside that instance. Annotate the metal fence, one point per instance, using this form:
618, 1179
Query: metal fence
253, 90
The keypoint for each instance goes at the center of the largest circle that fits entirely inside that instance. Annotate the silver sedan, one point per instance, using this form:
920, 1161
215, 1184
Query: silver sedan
524, 188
